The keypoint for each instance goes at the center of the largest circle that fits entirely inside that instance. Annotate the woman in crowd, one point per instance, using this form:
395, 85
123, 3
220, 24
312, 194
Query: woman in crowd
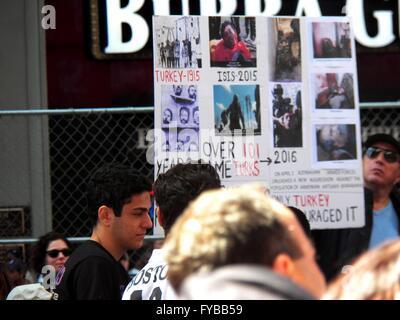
52, 249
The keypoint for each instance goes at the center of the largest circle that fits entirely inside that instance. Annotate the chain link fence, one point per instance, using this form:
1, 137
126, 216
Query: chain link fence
80, 141
80, 144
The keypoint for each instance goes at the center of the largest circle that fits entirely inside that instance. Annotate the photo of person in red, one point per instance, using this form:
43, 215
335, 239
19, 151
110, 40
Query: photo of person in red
230, 50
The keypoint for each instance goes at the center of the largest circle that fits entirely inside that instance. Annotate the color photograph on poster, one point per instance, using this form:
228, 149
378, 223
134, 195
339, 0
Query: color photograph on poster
333, 90
237, 110
285, 49
331, 40
232, 42
177, 43
287, 115
335, 142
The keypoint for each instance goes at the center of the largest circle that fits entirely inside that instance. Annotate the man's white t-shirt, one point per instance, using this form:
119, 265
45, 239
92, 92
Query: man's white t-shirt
151, 282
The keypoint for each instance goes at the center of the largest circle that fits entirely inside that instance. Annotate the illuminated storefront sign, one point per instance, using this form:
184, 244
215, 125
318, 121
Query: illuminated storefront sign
122, 27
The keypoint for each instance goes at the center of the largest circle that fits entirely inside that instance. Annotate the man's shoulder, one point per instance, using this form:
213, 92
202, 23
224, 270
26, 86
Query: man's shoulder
89, 253
150, 280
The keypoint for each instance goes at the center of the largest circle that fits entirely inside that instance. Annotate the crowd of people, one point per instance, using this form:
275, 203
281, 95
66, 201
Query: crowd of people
177, 54
221, 243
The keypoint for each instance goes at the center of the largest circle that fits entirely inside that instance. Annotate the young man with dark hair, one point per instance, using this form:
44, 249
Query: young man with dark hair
173, 191
119, 204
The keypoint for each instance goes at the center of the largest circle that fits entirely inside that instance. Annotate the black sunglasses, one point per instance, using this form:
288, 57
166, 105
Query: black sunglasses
390, 156
55, 252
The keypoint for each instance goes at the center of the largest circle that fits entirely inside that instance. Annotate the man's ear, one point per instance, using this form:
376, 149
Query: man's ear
283, 264
160, 217
104, 215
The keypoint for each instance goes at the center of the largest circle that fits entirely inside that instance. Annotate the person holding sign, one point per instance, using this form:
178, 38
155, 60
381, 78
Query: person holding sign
381, 170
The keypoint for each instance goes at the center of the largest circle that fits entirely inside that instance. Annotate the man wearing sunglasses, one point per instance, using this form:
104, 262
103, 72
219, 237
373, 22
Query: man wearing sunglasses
119, 203
381, 170
381, 174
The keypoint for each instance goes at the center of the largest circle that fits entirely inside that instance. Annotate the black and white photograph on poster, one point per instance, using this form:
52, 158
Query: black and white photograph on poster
331, 40
177, 43
233, 41
237, 110
179, 106
180, 140
188, 140
285, 49
335, 142
333, 90
287, 115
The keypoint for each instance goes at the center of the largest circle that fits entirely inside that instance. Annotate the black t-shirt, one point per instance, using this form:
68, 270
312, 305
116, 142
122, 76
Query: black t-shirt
91, 273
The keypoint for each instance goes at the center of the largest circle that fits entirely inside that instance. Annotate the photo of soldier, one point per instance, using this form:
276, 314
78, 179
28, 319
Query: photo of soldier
178, 43
285, 50
232, 42
336, 142
287, 115
331, 40
236, 110
334, 91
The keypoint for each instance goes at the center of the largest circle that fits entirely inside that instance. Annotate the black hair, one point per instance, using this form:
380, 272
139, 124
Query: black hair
39, 250
113, 185
224, 25
181, 184
302, 219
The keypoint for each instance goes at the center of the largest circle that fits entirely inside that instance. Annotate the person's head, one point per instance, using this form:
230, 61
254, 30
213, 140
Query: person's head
192, 92
118, 203
381, 162
15, 270
228, 34
174, 189
167, 116
236, 226
373, 276
177, 89
52, 249
184, 115
196, 117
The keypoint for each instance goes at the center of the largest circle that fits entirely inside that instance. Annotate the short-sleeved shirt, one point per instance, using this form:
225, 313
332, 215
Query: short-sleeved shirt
385, 226
91, 273
151, 282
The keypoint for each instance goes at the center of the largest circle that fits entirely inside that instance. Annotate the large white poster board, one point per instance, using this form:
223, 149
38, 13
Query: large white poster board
269, 100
